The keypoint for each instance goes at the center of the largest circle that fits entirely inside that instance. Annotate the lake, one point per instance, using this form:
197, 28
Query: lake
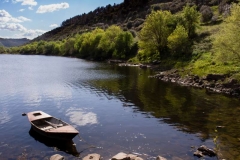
115, 109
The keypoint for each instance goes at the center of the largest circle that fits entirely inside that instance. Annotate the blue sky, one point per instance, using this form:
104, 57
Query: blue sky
31, 18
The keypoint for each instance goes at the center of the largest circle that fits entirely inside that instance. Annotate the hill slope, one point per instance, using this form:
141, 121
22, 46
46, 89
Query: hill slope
129, 15
13, 42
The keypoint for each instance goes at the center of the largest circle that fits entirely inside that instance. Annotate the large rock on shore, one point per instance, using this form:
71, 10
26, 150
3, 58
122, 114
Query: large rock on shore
124, 156
160, 158
121, 156
93, 156
56, 157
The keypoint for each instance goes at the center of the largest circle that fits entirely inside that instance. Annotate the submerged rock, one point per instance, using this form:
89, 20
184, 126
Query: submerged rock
207, 151
204, 151
198, 153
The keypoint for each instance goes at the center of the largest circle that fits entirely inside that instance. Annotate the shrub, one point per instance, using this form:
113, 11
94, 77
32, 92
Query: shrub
178, 41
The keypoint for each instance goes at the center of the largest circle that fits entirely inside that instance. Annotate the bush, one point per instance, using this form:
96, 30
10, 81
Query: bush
178, 41
226, 43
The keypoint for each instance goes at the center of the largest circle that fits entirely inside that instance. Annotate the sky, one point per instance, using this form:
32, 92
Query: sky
32, 18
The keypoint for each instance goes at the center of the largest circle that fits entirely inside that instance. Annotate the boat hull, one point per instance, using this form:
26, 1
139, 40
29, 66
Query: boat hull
55, 135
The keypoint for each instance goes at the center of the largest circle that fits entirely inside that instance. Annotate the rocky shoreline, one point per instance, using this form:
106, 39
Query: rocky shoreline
201, 151
218, 83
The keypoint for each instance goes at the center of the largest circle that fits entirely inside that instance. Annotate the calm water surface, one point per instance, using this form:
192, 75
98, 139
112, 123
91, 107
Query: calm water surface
116, 109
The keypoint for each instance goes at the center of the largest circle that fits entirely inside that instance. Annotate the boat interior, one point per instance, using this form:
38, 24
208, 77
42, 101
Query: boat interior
49, 123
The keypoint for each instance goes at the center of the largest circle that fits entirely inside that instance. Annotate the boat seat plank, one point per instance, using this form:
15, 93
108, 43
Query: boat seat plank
47, 128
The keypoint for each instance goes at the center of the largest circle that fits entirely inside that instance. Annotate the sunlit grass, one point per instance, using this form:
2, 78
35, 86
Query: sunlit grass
208, 63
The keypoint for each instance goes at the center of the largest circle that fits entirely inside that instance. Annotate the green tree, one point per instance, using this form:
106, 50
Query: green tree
78, 43
40, 47
96, 36
68, 47
48, 48
190, 19
178, 40
124, 43
154, 34
57, 48
2, 49
108, 41
226, 43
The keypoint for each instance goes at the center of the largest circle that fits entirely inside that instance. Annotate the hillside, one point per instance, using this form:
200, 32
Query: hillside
129, 15
13, 42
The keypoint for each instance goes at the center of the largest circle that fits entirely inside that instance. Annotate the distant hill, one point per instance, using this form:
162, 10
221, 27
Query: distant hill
8, 42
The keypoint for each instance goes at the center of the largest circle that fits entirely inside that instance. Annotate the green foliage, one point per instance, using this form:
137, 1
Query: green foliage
108, 41
191, 19
2, 49
163, 33
40, 47
178, 40
226, 43
97, 44
48, 48
87, 44
154, 34
67, 48
123, 45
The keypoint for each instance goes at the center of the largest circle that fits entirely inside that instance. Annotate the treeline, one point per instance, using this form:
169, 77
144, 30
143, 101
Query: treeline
163, 35
96, 45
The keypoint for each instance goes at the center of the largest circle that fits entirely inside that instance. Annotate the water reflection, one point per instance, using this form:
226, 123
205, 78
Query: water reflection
188, 110
4, 117
81, 118
117, 100
65, 146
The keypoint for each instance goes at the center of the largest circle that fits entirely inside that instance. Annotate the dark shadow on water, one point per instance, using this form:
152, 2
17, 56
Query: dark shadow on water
66, 146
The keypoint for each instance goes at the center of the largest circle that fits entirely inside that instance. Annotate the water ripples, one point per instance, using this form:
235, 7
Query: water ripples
4, 117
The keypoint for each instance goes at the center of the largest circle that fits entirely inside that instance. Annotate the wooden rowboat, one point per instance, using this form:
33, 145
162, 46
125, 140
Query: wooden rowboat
51, 127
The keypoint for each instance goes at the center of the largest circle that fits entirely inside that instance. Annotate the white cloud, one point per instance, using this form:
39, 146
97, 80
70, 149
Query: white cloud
23, 19
12, 24
13, 27
53, 25
21, 10
30, 33
52, 7
29, 2
5, 17
26, 2
30, 8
